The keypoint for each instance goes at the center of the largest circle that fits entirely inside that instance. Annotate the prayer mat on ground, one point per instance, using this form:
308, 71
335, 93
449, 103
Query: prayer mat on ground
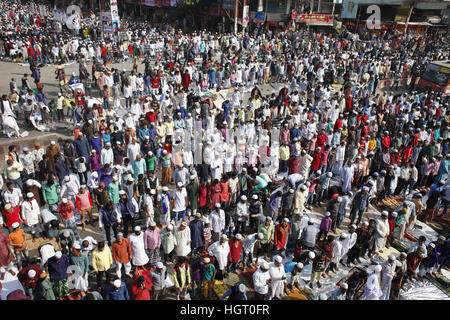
219, 288
297, 295
248, 276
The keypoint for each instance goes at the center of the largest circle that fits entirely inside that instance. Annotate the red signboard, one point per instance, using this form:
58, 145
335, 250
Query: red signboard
314, 19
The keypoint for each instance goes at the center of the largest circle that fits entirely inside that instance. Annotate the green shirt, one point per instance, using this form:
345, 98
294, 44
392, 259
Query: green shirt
207, 274
151, 163
113, 192
82, 261
267, 232
168, 242
192, 195
50, 193
242, 178
47, 290
165, 161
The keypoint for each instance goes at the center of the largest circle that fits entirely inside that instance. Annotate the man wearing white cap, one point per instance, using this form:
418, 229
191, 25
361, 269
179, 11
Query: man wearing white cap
220, 250
180, 201
350, 241
372, 289
70, 188
242, 214
387, 274
261, 281
139, 257
133, 149
278, 276
158, 276
28, 276
381, 232
235, 293
339, 293
118, 291
168, 242
81, 260
217, 219
152, 240
280, 236
31, 215
164, 204
338, 252
359, 204
18, 242
107, 154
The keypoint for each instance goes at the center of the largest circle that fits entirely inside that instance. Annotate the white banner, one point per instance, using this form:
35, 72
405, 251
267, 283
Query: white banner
245, 16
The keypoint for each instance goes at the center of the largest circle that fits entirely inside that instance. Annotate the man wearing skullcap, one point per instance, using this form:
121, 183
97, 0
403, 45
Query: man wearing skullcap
359, 205
159, 275
122, 255
372, 289
220, 250
267, 228
139, 256
339, 293
31, 215
57, 269
117, 291
362, 239
261, 281
278, 275
28, 277
381, 232
208, 272
235, 293
280, 236
387, 274
235, 244
196, 226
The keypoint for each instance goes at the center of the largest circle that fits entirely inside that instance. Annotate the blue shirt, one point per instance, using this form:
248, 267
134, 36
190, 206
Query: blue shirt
117, 294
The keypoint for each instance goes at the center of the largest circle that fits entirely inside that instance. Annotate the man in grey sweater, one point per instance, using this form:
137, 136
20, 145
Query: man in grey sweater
309, 236
158, 277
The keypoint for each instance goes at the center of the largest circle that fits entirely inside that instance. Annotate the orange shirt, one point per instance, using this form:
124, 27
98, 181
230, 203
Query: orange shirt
18, 237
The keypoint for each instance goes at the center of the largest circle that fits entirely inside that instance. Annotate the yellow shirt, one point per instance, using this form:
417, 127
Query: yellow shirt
372, 144
284, 153
102, 260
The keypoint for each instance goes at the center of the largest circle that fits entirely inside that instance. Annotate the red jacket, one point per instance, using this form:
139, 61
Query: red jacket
235, 250
186, 80
385, 142
337, 125
315, 164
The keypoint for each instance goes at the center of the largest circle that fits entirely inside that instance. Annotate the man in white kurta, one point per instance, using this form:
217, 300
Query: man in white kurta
220, 250
261, 280
338, 251
347, 175
133, 149
217, 218
387, 274
381, 232
139, 256
278, 276
372, 289
350, 241
183, 237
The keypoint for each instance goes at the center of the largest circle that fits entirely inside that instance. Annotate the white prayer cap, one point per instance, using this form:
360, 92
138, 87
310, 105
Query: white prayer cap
165, 189
25, 149
184, 223
217, 205
164, 151
377, 268
265, 265
152, 224
286, 220
122, 192
30, 195
117, 283
260, 236
95, 174
291, 190
58, 254
31, 273
244, 169
53, 142
278, 258
130, 179
365, 223
255, 197
353, 226
192, 177
394, 214
64, 200
391, 257
311, 255
344, 236
152, 191
159, 265
77, 246
242, 288
137, 228
238, 236
303, 187
329, 174
66, 178
15, 225
327, 214
170, 227
384, 213
323, 296
244, 197
365, 188
299, 265
370, 183
89, 121
344, 286
224, 236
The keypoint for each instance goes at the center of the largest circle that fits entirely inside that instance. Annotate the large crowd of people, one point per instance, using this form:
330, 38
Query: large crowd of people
192, 182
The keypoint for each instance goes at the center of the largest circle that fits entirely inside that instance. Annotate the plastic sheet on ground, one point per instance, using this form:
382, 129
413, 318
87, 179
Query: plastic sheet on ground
422, 291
